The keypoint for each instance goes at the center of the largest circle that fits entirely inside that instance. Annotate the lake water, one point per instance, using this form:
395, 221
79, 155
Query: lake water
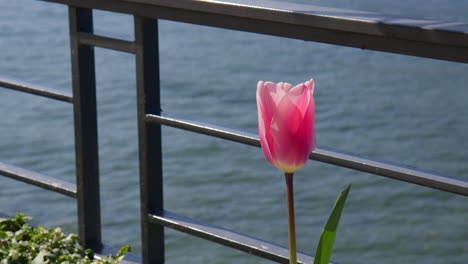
397, 108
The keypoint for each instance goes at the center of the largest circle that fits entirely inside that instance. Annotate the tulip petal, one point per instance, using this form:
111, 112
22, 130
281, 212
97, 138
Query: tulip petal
266, 99
285, 86
266, 107
301, 96
284, 142
306, 132
265, 139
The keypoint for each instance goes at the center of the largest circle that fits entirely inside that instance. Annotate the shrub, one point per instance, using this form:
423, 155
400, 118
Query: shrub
22, 244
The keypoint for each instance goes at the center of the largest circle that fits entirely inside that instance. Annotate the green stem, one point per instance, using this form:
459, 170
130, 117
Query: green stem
291, 220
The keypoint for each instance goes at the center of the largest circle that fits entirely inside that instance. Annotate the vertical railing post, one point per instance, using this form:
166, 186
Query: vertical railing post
86, 136
149, 134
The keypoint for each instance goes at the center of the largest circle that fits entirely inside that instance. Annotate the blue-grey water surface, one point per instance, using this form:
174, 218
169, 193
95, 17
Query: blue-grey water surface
397, 108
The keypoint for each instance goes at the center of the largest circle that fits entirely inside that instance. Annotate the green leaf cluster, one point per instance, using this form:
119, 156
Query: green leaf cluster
21, 243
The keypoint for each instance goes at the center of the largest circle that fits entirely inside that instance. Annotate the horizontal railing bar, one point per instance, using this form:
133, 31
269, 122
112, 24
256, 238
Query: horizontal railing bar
226, 237
37, 179
400, 172
435, 180
106, 42
45, 92
205, 128
366, 30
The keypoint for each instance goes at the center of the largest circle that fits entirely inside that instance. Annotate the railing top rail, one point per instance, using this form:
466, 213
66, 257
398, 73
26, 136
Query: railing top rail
366, 30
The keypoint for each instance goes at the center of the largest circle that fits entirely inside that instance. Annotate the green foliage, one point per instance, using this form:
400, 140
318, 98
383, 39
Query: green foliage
327, 239
22, 244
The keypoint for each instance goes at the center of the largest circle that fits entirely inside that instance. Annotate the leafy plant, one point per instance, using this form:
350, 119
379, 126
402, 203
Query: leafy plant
22, 244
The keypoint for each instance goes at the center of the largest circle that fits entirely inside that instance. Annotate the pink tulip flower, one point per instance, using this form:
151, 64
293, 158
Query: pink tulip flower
286, 117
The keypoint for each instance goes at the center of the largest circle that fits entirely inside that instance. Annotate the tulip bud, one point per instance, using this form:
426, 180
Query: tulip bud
286, 117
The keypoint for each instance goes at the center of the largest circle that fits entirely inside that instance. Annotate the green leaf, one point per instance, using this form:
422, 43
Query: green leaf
327, 239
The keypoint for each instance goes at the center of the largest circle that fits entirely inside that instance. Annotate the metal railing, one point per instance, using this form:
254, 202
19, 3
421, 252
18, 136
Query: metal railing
445, 41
